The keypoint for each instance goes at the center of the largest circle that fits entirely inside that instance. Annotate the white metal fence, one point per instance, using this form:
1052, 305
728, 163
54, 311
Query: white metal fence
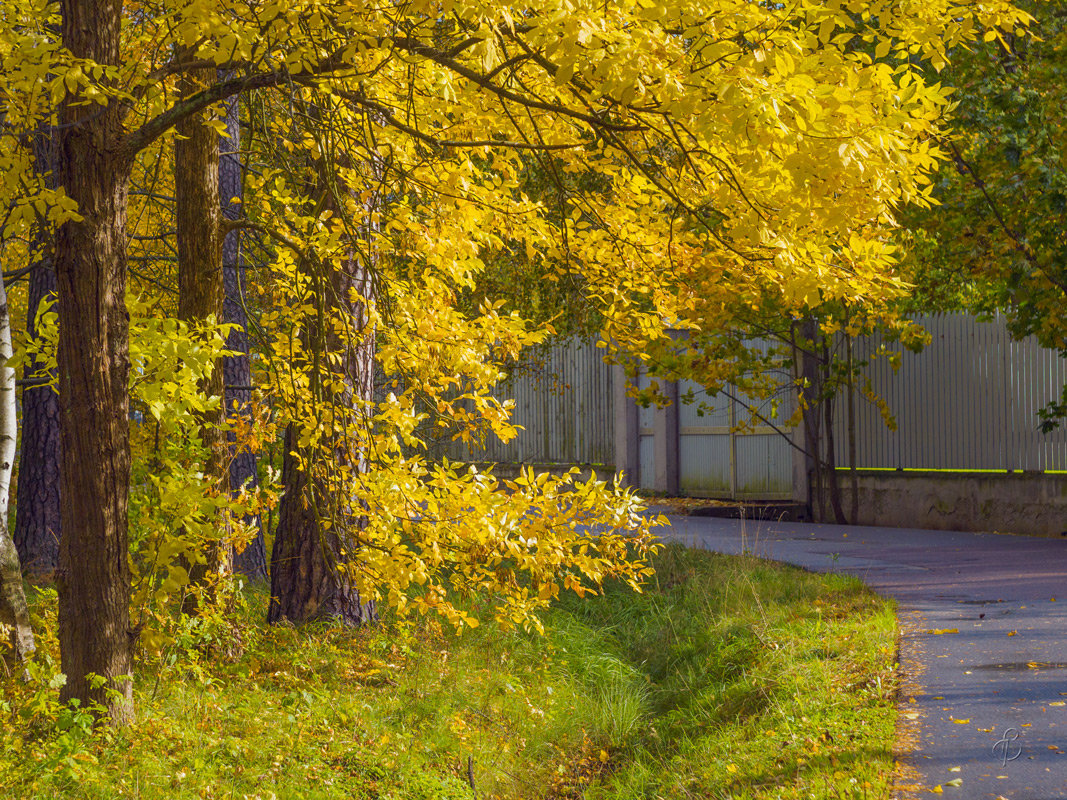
722, 451
563, 403
968, 401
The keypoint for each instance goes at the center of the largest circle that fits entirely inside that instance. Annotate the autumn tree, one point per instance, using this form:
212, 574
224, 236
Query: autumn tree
995, 241
743, 151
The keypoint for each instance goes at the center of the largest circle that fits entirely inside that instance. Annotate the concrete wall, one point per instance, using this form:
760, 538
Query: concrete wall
1018, 502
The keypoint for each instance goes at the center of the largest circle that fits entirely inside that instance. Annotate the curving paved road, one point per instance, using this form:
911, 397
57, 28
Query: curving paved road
1001, 677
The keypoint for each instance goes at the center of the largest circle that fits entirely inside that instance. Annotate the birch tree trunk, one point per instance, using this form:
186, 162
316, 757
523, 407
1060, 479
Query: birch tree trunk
14, 616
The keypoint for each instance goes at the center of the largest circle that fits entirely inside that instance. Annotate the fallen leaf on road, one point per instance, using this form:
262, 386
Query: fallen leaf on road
961, 721
939, 631
953, 769
1011, 633
938, 790
985, 730
954, 782
1057, 703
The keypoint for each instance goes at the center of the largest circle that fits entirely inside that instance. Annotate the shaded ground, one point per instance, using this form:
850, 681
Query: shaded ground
984, 645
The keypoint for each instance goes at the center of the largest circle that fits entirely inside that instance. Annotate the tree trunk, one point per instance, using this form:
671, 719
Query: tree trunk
37, 513
200, 290
14, 616
93, 358
310, 560
854, 499
237, 371
833, 485
810, 389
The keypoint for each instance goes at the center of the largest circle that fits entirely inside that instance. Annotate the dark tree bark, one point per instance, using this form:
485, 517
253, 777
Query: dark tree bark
833, 484
37, 512
310, 561
200, 289
237, 371
94, 365
308, 580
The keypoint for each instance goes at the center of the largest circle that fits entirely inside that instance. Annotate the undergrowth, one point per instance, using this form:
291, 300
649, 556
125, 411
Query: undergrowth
727, 678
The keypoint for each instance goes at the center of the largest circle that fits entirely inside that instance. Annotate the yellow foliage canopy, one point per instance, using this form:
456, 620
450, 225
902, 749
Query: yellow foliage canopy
694, 158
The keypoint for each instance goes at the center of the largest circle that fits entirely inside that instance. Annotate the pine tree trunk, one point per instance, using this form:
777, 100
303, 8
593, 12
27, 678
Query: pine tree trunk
94, 365
200, 289
237, 371
14, 616
310, 560
307, 570
37, 513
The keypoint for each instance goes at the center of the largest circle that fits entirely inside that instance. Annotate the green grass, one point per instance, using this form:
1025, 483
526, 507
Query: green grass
728, 678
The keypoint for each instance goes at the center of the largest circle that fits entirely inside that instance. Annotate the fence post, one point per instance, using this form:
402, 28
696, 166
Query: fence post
665, 429
627, 433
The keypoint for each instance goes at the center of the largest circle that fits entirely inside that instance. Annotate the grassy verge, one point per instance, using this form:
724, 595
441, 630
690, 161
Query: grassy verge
728, 678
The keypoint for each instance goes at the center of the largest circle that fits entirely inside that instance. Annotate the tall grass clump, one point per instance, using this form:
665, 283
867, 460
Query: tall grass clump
726, 678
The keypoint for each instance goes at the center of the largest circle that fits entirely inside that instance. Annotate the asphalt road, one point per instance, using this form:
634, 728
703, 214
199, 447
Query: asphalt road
984, 645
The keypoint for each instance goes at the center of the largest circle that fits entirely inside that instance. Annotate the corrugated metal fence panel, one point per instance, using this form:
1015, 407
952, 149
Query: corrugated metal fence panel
646, 455
763, 455
563, 402
725, 451
704, 443
968, 401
